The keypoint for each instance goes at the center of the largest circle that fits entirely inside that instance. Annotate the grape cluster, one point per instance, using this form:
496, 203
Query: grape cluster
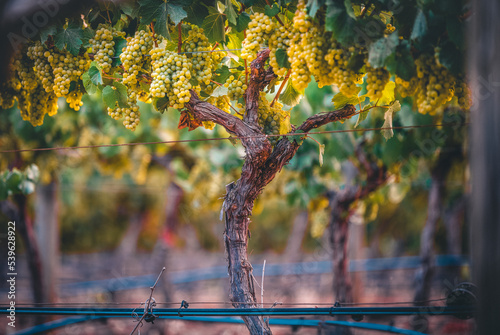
24, 68
74, 98
406, 88
376, 79
103, 45
462, 92
300, 74
436, 85
280, 39
66, 68
8, 92
42, 68
273, 120
236, 87
338, 59
198, 51
133, 55
220, 102
171, 75
259, 31
130, 113
389, 29
35, 104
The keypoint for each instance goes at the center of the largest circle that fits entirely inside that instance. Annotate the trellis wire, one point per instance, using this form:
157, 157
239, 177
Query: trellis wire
331, 311
234, 138
274, 322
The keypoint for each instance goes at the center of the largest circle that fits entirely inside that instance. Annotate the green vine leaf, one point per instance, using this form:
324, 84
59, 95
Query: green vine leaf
362, 115
272, 11
381, 49
156, 10
419, 27
214, 25
230, 12
242, 21
340, 100
69, 37
90, 87
115, 95
387, 94
290, 96
161, 104
282, 58
95, 75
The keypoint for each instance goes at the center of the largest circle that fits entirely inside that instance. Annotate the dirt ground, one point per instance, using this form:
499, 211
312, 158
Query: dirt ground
370, 287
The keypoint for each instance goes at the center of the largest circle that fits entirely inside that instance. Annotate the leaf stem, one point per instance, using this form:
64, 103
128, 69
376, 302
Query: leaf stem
152, 25
281, 87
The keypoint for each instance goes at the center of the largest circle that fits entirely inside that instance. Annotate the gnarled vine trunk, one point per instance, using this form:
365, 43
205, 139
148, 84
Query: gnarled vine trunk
262, 162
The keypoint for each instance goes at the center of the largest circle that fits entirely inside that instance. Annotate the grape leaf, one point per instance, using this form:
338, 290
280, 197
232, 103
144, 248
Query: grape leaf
290, 96
120, 43
419, 27
221, 74
272, 11
338, 21
362, 115
340, 100
151, 10
313, 6
387, 132
381, 49
213, 25
282, 58
220, 91
87, 35
47, 31
401, 62
69, 37
230, 12
87, 83
161, 104
13, 180
242, 21
176, 12
387, 94
95, 75
116, 94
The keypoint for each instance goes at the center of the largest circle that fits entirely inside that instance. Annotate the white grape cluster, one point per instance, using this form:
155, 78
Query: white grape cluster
103, 45
130, 113
236, 87
171, 73
259, 31
280, 39
35, 104
133, 55
273, 120
376, 79
66, 68
198, 51
42, 68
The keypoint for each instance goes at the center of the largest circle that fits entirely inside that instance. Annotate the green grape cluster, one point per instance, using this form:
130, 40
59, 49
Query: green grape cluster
273, 120
171, 75
376, 79
133, 55
24, 68
280, 39
8, 92
130, 113
313, 43
259, 31
66, 68
74, 98
35, 104
220, 102
462, 92
406, 88
340, 75
42, 68
389, 29
236, 87
436, 85
300, 74
103, 45
198, 50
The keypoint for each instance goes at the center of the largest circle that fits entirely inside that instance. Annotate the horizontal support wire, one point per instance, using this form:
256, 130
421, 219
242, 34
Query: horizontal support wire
332, 311
274, 322
299, 135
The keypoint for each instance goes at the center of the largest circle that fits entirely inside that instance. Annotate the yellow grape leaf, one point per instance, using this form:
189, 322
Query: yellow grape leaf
387, 94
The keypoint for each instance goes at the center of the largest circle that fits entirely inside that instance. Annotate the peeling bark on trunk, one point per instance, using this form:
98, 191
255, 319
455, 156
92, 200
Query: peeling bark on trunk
261, 164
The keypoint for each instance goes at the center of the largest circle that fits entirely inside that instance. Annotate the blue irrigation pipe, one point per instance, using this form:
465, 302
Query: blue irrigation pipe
274, 322
330, 311
218, 272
